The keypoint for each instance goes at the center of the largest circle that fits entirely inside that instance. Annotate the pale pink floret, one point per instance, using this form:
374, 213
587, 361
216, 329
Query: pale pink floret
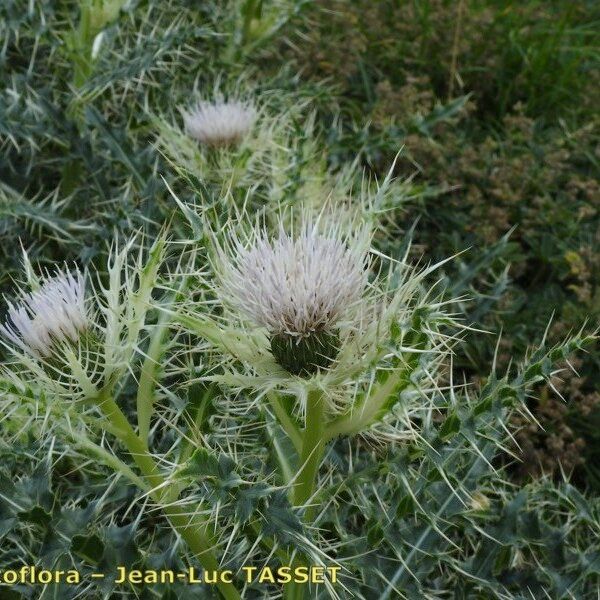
295, 285
52, 314
220, 123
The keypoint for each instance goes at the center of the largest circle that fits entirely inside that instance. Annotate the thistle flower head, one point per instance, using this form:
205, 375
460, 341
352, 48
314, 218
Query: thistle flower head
221, 123
72, 338
52, 314
300, 288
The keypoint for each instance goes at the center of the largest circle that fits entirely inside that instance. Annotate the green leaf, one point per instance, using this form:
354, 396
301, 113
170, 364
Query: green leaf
206, 464
450, 427
89, 548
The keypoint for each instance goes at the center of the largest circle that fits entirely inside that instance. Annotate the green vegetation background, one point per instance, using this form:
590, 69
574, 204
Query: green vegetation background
493, 105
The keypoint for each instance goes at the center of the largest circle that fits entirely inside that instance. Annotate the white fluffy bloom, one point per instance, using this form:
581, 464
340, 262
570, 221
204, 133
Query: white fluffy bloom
52, 314
295, 286
220, 123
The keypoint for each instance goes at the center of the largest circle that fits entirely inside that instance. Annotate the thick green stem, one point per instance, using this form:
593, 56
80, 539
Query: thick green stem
313, 445
195, 534
312, 450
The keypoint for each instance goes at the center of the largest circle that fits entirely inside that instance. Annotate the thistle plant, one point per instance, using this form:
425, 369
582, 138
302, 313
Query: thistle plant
80, 357
220, 147
330, 345
269, 386
320, 346
50, 333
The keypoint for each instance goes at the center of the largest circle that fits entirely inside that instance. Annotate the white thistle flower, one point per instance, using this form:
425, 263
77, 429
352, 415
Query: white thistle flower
52, 314
76, 340
295, 286
220, 123
300, 288
304, 314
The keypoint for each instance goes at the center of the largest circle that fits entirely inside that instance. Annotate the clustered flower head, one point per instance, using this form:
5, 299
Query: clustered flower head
52, 314
299, 287
221, 123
